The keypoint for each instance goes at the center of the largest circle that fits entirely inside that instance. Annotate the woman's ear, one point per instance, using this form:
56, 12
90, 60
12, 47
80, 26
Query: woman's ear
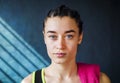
44, 36
43, 33
80, 38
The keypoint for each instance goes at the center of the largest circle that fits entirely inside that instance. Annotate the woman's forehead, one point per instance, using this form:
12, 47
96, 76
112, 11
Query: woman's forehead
54, 23
60, 18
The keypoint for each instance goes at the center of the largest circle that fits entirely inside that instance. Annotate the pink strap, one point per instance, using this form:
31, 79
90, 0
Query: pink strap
89, 73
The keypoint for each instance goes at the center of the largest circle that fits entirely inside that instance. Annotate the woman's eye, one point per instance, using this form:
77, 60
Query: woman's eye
69, 36
53, 37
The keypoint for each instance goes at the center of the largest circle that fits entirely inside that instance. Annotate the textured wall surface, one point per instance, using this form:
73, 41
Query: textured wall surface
22, 48
17, 58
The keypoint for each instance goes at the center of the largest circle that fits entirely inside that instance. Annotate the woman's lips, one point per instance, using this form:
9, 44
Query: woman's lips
60, 54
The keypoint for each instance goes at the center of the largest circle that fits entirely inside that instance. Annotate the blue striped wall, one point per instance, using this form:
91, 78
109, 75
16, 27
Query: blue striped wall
17, 57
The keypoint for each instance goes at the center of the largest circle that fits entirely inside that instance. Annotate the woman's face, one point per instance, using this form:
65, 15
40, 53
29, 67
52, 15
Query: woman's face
61, 37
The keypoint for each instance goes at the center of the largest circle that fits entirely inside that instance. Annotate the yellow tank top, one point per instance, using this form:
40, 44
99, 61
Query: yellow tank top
42, 76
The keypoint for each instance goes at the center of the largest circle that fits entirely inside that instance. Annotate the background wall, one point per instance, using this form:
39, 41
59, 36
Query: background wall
22, 49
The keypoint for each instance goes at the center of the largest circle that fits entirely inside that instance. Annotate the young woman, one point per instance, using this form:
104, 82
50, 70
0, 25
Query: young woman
62, 34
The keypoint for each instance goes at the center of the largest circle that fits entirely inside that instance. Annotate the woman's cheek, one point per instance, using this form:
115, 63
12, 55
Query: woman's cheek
50, 46
73, 48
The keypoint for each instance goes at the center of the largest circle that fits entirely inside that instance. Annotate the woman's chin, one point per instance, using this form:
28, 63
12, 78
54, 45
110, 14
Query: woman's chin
59, 61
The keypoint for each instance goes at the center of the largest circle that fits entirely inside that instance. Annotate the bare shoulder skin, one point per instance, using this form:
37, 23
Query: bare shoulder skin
104, 78
27, 79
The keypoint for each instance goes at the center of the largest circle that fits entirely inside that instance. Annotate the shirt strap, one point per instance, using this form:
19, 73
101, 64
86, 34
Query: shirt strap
33, 77
36, 78
43, 75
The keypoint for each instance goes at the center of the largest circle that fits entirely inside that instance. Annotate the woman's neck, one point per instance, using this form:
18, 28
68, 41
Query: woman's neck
62, 70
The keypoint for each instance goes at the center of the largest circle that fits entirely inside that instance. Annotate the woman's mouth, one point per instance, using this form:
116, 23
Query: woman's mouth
60, 54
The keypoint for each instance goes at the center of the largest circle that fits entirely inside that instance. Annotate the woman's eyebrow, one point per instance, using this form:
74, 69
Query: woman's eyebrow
69, 31
51, 32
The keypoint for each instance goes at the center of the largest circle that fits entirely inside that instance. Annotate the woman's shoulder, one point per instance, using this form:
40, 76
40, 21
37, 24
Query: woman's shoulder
104, 78
27, 79
31, 77
94, 68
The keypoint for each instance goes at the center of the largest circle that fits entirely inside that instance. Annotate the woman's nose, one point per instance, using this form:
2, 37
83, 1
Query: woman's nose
60, 43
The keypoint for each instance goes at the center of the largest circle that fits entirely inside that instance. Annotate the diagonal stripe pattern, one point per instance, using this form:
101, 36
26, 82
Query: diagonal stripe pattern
17, 57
